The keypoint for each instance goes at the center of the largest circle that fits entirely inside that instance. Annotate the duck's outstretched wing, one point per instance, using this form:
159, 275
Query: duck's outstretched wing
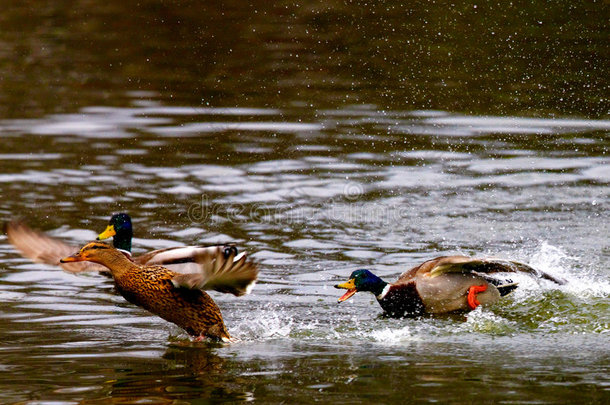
217, 268
41, 248
482, 267
182, 259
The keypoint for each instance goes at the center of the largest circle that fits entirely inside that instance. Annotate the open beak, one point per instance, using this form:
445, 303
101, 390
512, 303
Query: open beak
108, 233
350, 287
76, 257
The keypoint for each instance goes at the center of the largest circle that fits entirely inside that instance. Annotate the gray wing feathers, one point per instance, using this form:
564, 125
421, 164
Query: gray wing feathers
487, 266
220, 273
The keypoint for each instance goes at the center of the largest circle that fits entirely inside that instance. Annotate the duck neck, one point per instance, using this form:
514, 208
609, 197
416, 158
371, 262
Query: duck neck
378, 288
116, 261
384, 291
122, 240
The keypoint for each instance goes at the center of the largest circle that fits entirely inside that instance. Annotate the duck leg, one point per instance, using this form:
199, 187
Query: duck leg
473, 302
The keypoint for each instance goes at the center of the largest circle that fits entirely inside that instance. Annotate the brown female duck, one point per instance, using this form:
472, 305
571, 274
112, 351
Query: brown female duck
42, 248
444, 284
177, 298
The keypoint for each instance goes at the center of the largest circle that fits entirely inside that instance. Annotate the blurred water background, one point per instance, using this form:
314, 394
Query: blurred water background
322, 137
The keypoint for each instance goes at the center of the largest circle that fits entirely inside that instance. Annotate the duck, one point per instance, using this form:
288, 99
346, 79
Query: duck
177, 298
441, 285
42, 248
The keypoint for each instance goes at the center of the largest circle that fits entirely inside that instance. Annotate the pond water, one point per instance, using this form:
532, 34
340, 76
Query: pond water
322, 138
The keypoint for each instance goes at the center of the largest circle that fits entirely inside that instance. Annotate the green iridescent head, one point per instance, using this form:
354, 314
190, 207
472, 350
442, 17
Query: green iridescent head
361, 280
120, 230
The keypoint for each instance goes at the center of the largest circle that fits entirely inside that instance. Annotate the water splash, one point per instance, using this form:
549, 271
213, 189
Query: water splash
582, 278
552, 259
483, 321
269, 322
391, 336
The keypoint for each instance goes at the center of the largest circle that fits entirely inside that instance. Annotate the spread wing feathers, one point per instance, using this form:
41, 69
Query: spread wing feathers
173, 255
182, 259
220, 272
41, 248
483, 267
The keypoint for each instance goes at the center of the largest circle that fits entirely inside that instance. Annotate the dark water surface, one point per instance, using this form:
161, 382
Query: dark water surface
321, 137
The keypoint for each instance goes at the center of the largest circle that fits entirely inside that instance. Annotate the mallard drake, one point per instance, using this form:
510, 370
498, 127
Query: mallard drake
181, 259
42, 248
177, 298
444, 284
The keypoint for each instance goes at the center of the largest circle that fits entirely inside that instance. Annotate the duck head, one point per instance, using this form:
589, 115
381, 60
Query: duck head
91, 252
361, 280
120, 230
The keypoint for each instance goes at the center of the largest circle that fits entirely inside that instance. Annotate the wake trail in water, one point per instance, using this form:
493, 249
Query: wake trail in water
581, 278
537, 306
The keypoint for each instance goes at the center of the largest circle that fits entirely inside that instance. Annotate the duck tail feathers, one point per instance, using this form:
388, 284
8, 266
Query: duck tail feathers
506, 289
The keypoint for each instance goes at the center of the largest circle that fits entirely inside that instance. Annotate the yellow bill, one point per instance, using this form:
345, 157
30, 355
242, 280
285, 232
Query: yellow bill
108, 233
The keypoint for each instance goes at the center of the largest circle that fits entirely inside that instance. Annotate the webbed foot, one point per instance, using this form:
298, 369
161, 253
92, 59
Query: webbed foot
473, 302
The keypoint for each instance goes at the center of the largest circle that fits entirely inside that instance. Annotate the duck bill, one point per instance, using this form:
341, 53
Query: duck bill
74, 258
350, 287
348, 294
108, 233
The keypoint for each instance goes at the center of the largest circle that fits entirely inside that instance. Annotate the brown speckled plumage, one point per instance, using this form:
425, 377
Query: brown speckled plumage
198, 264
153, 288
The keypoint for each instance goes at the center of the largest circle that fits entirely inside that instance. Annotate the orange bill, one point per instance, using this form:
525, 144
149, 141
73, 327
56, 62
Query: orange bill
348, 294
74, 258
350, 287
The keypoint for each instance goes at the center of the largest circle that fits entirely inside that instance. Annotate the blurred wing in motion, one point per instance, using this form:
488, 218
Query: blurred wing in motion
41, 248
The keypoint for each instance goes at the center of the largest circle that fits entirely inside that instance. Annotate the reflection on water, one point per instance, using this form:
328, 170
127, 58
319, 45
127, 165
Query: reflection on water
313, 199
322, 138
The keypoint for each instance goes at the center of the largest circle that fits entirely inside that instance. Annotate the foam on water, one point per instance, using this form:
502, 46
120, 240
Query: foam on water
391, 336
269, 322
582, 279
483, 321
538, 306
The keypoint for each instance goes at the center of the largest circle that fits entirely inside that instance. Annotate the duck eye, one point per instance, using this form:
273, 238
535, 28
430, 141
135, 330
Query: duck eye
229, 250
